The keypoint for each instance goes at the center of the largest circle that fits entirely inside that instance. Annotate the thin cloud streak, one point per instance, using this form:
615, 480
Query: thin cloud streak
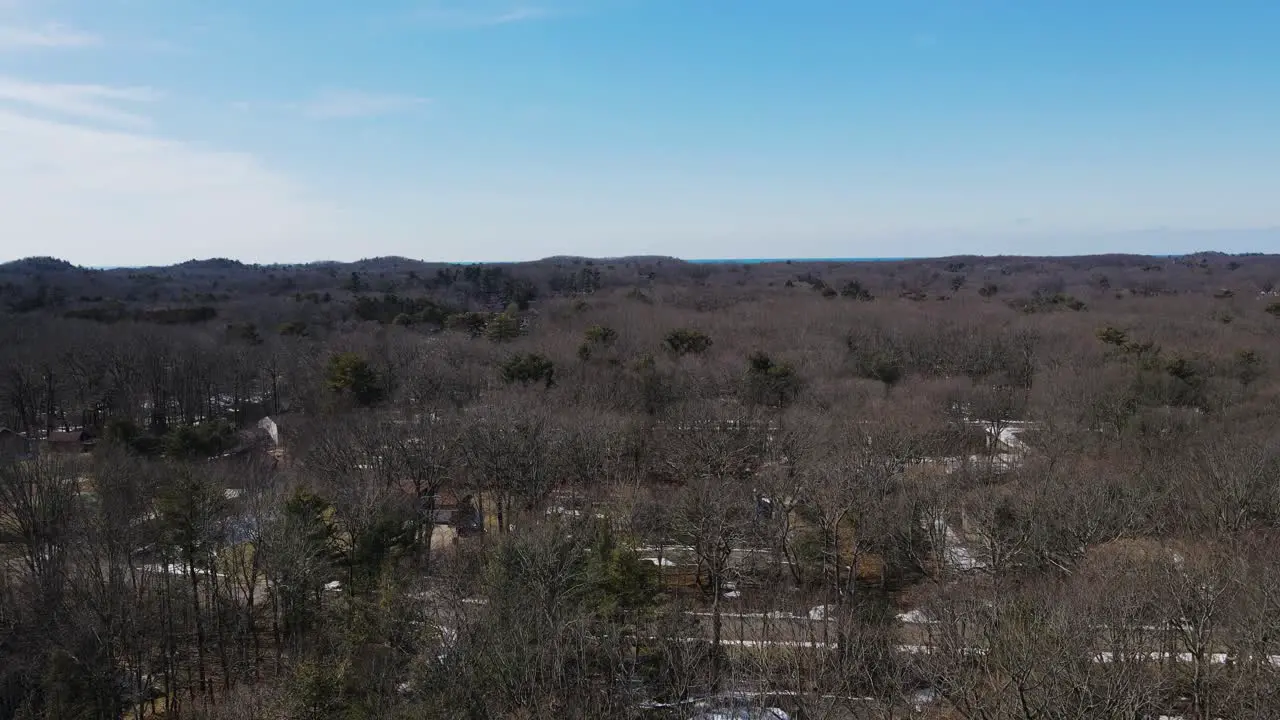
47, 37
445, 16
83, 102
518, 15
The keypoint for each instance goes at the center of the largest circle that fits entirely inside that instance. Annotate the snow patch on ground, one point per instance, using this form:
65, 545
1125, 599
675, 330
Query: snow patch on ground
914, 617
955, 555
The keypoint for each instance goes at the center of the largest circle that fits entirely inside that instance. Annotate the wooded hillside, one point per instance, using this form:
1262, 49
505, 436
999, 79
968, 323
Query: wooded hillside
641, 487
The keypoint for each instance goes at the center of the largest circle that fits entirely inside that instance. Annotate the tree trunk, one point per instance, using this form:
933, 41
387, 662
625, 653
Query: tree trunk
195, 606
170, 665
661, 574
427, 520
218, 624
836, 562
715, 633
48, 416
273, 591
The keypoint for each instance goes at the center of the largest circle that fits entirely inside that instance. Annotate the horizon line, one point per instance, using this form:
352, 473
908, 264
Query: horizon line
615, 258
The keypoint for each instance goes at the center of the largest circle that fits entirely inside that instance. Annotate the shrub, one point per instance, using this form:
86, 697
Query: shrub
600, 335
196, 441
388, 309
528, 368
503, 327
472, 323
1042, 302
350, 374
1113, 336
853, 289
684, 341
769, 382
292, 328
596, 336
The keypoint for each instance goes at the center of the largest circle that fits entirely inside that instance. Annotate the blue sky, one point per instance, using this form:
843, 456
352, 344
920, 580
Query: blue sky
148, 131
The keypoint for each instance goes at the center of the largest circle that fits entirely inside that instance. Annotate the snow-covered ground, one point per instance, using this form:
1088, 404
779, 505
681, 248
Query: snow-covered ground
955, 554
915, 617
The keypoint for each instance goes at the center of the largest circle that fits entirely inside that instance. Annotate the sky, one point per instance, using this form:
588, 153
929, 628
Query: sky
138, 132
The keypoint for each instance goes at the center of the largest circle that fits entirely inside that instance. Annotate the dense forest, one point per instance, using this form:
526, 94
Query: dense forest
968, 487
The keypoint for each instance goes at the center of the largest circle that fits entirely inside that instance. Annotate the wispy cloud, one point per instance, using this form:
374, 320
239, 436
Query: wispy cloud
99, 103
134, 194
49, 36
479, 15
516, 15
335, 104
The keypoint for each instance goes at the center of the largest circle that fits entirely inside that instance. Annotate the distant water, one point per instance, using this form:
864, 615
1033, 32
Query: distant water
757, 261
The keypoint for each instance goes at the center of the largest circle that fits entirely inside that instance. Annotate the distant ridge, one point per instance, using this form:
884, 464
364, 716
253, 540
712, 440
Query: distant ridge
44, 264
761, 261
212, 264
38, 264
